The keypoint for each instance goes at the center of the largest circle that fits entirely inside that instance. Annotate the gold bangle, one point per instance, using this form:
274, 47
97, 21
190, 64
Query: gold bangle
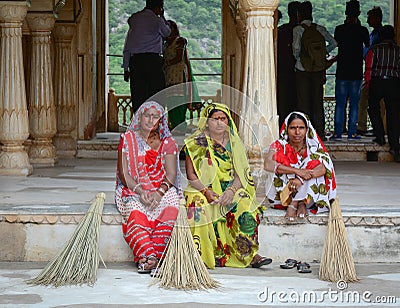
166, 184
231, 189
203, 191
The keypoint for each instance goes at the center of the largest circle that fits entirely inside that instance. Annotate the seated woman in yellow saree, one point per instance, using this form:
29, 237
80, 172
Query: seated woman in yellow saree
223, 212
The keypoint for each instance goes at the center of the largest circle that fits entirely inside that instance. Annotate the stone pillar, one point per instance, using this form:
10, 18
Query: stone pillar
259, 119
14, 127
64, 90
42, 117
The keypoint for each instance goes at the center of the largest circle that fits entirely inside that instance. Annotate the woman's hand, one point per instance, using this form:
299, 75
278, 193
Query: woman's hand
305, 174
144, 197
294, 184
155, 199
211, 196
226, 198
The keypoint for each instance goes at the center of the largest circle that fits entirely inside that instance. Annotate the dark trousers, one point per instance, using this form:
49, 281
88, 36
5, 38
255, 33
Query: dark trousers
388, 89
310, 98
146, 77
287, 96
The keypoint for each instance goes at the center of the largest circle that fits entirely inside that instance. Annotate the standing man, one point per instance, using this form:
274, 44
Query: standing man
287, 98
143, 62
351, 38
374, 20
310, 55
382, 77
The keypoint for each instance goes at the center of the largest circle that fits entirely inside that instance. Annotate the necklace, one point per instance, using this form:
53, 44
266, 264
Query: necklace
223, 138
300, 149
150, 139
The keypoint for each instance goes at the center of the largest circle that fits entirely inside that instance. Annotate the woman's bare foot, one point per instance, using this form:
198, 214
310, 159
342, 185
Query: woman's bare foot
302, 210
141, 261
291, 212
152, 262
145, 265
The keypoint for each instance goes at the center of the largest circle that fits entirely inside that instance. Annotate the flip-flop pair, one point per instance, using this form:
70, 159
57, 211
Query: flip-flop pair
289, 263
302, 267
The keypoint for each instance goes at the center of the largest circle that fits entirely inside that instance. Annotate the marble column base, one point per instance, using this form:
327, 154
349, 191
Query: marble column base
65, 146
14, 161
42, 153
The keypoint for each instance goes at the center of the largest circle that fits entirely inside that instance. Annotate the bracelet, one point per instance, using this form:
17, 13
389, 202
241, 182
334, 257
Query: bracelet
166, 184
276, 168
161, 191
233, 188
203, 191
300, 179
136, 186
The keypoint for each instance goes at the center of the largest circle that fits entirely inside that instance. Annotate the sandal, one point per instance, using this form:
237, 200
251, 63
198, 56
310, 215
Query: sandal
289, 263
303, 267
155, 272
261, 261
142, 268
146, 267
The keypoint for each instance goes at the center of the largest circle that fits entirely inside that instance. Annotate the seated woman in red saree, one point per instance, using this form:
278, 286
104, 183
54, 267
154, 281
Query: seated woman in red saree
148, 185
301, 163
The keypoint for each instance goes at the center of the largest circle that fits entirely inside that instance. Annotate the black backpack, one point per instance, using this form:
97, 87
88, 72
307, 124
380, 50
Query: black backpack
313, 49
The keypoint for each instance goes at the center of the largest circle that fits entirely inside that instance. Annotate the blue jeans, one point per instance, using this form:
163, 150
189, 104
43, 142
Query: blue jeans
344, 89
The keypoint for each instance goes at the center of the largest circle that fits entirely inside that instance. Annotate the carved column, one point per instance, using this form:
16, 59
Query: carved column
64, 90
42, 118
259, 119
14, 128
259, 123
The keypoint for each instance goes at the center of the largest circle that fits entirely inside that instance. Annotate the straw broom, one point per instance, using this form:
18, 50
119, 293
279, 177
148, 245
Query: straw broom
337, 261
182, 267
78, 261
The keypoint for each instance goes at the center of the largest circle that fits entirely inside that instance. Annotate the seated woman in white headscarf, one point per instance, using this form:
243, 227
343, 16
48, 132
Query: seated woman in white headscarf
301, 162
148, 187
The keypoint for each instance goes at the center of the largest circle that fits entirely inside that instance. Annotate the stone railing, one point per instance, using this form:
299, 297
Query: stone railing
120, 109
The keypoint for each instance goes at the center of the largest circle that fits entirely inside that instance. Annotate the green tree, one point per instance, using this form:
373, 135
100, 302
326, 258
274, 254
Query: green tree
198, 21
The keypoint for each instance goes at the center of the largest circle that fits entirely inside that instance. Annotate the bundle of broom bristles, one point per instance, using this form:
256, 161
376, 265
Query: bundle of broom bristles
182, 267
337, 262
78, 261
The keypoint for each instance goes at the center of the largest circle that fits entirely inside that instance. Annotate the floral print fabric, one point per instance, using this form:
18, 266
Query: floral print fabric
224, 235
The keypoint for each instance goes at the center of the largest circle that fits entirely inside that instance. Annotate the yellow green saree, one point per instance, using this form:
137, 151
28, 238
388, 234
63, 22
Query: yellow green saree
224, 235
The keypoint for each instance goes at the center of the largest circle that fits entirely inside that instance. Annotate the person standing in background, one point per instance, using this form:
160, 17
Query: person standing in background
382, 78
287, 99
142, 60
310, 82
177, 75
351, 38
374, 20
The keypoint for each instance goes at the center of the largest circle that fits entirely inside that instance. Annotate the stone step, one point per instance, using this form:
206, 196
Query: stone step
37, 233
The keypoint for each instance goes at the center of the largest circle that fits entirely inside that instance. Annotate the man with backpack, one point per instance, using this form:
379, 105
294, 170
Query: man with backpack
310, 51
